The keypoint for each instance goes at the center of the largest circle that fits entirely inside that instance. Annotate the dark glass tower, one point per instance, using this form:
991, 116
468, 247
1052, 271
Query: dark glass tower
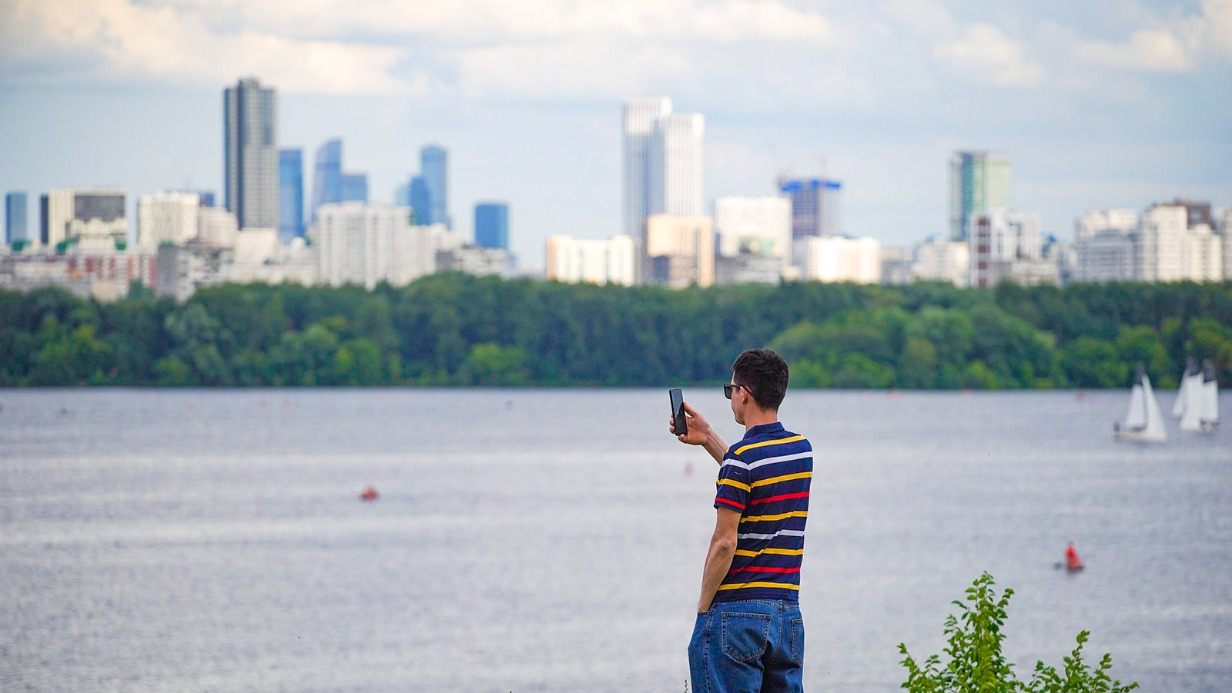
492, 225
290, 194
250, 117
16, 210
434, 172
327, 175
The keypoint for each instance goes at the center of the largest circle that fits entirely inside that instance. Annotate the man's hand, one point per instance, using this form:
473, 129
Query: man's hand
699, 433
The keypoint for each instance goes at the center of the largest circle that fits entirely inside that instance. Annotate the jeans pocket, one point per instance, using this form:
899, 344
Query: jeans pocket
745, 636
797, 641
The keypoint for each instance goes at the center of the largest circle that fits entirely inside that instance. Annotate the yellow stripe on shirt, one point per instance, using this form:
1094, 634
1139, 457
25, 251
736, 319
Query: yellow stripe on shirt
771, 518
737, 484
785, 477
772, 585
780, 441
776, 552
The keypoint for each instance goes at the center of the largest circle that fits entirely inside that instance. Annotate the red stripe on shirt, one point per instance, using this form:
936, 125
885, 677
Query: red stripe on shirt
785, 496
733, 504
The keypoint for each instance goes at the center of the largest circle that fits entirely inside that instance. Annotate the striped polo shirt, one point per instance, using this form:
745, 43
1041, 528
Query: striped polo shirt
766, 477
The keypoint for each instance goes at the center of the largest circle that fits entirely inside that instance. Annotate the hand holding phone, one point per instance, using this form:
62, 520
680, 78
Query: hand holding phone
678, 417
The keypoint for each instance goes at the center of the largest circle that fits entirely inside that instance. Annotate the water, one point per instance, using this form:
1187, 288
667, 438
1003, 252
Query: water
552, 540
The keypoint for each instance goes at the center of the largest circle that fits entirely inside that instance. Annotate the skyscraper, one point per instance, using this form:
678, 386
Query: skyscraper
355, 187
675, 179
492, 225
327, 175
640, 118
815, 206
250, 115
16, 211
434, 176
663, 166
979, 183
290, 194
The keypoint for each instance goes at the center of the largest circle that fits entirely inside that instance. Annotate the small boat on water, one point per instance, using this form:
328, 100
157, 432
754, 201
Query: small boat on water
1197, 401
369, 494
1144, 422
1072, 562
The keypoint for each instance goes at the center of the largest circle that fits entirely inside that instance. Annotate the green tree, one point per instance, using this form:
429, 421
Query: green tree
1093, 362
977, 665
492, 364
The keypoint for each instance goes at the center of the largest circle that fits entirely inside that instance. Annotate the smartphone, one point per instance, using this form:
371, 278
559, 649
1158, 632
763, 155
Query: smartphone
677, 398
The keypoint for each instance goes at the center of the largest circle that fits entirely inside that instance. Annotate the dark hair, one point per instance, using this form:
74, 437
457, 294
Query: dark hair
764, 373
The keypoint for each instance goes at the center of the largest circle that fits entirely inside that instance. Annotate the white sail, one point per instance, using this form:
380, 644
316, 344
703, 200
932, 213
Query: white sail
1143, 420
1192, 372
1154, 429
1136, 416
1191, 415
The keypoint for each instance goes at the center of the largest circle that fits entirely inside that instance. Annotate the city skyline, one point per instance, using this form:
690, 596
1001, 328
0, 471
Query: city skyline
1107, 105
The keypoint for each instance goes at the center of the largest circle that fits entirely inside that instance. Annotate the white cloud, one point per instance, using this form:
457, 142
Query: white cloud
1176, 45
114, 41
1153, 50
991, 55
533, 47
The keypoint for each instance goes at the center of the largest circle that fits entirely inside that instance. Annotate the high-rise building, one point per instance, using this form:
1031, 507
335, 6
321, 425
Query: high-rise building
433, 187
1004, 245
594, 261
675, 179
840, 259
815, 206
641, 116
979, 183
167, 218
16, 211
327, 175
492, 225
290, 194
678, 251
1170, 249
662, 166
355, 187
366, 244
85, 217
250, 114
754, 239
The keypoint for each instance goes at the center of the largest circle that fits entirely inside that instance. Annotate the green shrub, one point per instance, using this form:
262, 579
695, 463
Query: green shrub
977, 665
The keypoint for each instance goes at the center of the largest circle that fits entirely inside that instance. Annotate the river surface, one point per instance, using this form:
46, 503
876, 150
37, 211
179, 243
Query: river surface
552, 540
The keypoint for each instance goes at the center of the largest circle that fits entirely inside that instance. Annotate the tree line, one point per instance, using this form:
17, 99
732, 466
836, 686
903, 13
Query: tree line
459, 330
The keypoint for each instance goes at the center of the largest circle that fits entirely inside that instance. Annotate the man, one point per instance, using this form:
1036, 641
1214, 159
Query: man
749, 634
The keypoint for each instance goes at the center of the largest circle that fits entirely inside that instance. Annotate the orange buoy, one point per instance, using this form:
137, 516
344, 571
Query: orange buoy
369, 494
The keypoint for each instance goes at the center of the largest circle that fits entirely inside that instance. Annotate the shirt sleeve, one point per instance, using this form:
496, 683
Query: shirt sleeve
733, 484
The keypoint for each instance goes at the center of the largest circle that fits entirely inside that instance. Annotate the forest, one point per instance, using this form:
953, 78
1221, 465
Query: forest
463, 330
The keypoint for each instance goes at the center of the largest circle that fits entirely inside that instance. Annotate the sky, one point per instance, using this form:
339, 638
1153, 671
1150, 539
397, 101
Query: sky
1098, 104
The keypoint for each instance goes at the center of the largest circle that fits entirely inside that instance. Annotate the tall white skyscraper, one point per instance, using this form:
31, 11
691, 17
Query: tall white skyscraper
663, 164
676, 165
641, 116
250, 113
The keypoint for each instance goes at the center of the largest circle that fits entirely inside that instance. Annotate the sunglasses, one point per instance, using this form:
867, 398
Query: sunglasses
729, 388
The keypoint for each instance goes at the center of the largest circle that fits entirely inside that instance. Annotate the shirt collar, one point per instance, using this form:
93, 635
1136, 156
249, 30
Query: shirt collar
763, 429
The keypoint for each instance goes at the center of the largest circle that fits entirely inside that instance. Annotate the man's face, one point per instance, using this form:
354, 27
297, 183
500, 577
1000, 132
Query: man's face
739, 400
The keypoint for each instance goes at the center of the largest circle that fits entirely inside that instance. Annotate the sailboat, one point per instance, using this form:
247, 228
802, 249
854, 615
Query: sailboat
1144, 422
1197, 400
1191, 378
1208, 419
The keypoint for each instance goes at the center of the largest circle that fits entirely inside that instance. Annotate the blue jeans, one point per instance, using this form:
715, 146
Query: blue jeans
754, 646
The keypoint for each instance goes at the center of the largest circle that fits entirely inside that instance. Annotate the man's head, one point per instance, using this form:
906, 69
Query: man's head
763, 374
